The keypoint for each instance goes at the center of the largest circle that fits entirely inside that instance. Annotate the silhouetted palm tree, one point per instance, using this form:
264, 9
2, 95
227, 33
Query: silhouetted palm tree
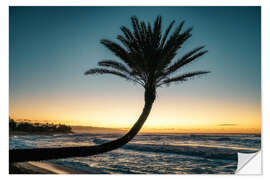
146, 59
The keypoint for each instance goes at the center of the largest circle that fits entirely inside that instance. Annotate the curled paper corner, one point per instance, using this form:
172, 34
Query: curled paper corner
249, 163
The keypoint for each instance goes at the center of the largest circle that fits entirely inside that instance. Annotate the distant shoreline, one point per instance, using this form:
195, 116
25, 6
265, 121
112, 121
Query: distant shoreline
24, 133
103, 130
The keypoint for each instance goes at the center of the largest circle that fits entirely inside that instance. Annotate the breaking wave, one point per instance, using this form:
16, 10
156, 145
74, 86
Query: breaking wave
190, 150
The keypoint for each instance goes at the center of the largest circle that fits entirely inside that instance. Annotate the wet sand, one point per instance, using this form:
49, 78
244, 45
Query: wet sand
46, 168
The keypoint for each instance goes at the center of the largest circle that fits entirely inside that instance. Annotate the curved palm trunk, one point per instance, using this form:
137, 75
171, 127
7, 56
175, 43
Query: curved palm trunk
21, 155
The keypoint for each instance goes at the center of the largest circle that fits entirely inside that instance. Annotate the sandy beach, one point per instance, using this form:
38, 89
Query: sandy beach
44, 168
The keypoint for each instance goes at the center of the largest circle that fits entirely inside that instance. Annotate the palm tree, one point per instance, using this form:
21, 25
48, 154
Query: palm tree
147, 58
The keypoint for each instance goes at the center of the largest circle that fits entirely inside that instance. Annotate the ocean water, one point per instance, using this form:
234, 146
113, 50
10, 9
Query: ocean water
152, 153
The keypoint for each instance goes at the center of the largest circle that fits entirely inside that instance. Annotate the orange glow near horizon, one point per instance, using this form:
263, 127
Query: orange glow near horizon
167, 115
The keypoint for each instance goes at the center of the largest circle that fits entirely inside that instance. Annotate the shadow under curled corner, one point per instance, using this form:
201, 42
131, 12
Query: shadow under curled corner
249, 163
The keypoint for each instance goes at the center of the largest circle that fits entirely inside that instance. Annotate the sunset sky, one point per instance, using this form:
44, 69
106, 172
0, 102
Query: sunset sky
51, 48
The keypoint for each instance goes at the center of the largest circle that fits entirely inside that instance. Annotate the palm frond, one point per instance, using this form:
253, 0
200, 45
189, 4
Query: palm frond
189, 57
121, 53
149, 31
128, 34
125, 42
183, 77
157, 32
136, 28
145, 38
106, 71
122, 68
166, 33
115, 65
115, 48
172, 46
174, 35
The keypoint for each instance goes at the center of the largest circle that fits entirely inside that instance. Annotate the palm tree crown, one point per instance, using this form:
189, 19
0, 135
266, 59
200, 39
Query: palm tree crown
147, 55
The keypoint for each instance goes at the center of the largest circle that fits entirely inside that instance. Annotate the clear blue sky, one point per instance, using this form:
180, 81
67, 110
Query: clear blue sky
51, 48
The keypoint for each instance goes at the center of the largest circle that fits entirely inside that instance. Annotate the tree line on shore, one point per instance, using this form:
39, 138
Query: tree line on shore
37, 127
